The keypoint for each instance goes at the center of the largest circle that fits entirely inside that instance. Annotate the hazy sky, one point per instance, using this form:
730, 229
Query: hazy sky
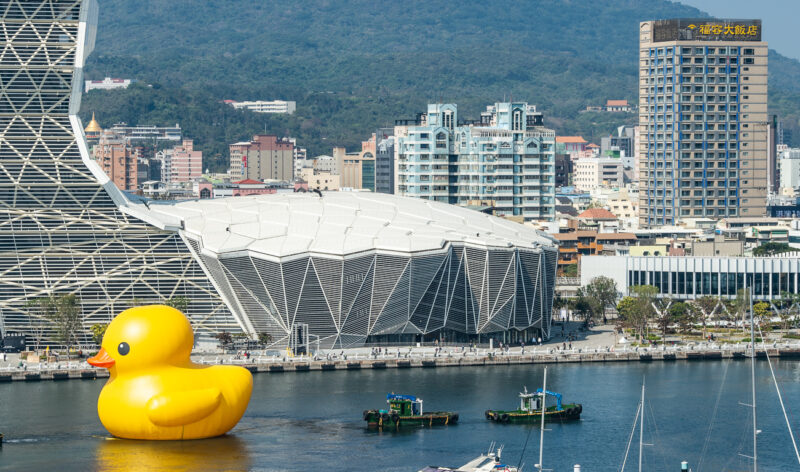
779, 19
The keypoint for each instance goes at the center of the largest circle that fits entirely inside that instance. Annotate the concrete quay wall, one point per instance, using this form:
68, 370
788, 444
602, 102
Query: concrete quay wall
443, 360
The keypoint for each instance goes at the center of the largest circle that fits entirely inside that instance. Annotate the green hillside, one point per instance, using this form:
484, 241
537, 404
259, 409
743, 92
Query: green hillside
356, 65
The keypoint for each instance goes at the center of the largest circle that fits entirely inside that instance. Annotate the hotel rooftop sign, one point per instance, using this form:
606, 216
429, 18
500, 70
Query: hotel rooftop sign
706, 29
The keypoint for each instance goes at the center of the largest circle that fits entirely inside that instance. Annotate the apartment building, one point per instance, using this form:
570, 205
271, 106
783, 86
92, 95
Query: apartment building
384, 160
591, 173
703, 119
181, 164
504, 160
265, 157
118, 159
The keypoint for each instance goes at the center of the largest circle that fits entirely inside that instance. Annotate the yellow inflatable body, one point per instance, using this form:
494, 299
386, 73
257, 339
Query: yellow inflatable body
155, 391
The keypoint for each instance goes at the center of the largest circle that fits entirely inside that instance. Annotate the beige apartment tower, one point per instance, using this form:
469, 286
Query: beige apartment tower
702, 119
266, 157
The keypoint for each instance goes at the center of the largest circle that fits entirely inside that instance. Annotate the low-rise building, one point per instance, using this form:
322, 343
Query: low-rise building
574, 245
320, 179
655, 250
107, 83
140, 134
618, 106
598, 219
624, 209
571, 145
718, 246
265, 106
690, 277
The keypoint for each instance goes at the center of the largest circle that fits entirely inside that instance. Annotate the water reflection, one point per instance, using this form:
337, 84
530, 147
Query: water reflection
222, 453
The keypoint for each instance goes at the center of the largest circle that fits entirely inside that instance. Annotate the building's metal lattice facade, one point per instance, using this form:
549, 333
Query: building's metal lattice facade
469, 290
63, 229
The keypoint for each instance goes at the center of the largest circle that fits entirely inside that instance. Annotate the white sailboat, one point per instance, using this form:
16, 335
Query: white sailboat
753, 353
756, 431
640, 418
489, 462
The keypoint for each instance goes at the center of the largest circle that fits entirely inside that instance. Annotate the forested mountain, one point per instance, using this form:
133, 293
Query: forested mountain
358, 64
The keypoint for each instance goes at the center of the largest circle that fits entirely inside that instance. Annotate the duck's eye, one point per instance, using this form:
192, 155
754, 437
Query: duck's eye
123, 349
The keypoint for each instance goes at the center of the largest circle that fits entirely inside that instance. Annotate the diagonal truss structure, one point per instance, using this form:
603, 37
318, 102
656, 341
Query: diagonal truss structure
462, 289
63, 227
349, 265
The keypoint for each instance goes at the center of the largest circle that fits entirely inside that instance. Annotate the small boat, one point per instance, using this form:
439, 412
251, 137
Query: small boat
406, 410
530, 409
489, 462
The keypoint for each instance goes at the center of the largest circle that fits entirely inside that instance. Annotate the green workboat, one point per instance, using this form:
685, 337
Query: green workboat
406, 410
530, 409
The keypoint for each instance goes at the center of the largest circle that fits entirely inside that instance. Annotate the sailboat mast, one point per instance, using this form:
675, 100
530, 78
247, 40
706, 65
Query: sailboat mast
753, 380
541, 428
641, 429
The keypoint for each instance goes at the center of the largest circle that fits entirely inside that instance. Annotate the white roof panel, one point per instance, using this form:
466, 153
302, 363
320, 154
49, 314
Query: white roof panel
341, 223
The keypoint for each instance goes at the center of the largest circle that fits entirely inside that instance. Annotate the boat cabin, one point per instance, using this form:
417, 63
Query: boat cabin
533, 401
404, 405
530, 401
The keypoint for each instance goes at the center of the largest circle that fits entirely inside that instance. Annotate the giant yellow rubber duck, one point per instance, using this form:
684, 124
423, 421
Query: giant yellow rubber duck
154, 390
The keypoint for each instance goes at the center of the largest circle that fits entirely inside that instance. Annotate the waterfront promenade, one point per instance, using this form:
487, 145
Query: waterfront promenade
598, 344
423, 357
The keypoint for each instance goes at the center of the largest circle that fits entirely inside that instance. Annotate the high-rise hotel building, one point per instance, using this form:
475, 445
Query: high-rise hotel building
505, 160
703, 120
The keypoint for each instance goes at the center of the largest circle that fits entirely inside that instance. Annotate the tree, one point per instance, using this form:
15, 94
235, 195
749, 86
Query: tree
761, 310
682, 314
771, 249
625, 308
637, 310
224, 338
705, 307
571, 270
604, 290
587, 306
179, 303
264, 338
98, 331
583, 308
64, 313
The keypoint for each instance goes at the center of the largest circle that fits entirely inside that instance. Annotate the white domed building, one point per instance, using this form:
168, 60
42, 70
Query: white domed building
345, 268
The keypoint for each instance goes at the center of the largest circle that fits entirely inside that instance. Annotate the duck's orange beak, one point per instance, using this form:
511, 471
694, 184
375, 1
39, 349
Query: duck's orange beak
102, 359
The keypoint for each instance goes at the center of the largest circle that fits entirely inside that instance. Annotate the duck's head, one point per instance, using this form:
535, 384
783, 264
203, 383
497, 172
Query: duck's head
145, 336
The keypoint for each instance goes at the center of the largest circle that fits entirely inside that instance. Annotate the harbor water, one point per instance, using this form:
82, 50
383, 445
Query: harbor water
311, 421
